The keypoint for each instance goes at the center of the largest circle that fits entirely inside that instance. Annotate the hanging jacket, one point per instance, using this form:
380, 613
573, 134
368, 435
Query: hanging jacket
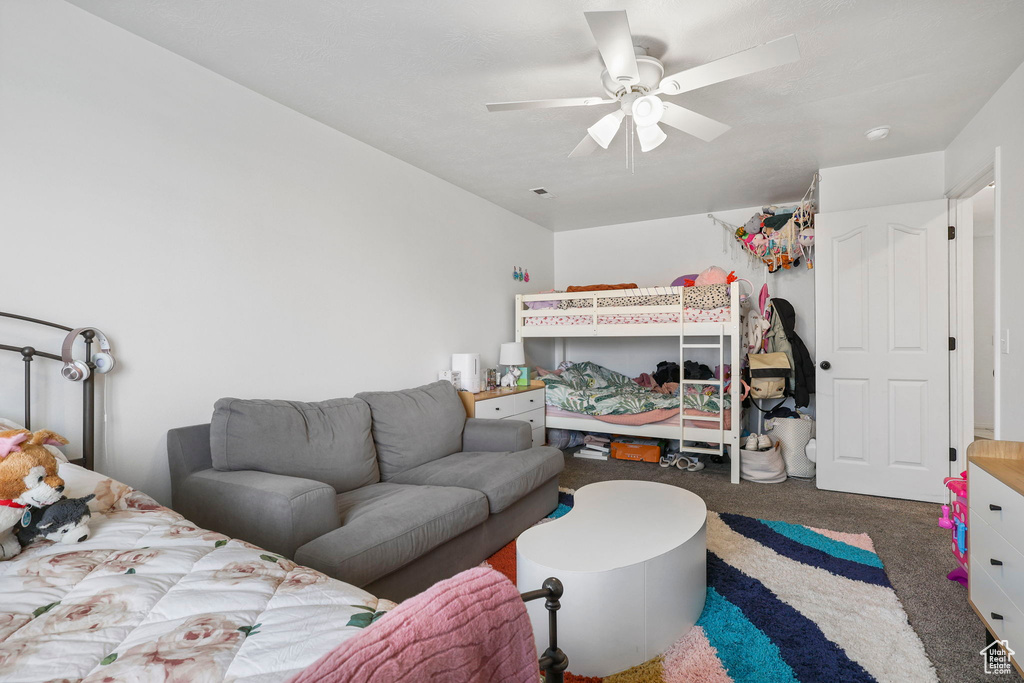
801, 361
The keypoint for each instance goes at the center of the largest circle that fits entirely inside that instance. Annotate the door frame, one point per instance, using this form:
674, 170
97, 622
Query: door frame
961, 315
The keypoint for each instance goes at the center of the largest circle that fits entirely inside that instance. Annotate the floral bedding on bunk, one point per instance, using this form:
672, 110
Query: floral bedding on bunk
151, 597
690, 315
591, 389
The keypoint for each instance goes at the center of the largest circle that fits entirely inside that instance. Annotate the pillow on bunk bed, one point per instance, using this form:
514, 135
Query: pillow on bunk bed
538, 305
706, 297
604, 302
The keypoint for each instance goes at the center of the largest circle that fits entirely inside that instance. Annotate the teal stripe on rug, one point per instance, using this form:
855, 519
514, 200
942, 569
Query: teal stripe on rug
845, 551
746, 652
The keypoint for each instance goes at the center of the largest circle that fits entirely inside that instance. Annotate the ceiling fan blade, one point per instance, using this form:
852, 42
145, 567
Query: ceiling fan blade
615, 43
776, 53
546, 104
691, 122
587, 146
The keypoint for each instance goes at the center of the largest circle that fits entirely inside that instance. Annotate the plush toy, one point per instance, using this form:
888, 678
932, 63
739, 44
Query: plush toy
714, 276
66, 521
28, 479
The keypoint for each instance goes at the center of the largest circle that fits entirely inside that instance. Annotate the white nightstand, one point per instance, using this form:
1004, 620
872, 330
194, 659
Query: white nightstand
521, 403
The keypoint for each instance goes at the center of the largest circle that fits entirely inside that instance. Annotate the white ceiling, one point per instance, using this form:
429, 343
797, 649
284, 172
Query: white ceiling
411, 78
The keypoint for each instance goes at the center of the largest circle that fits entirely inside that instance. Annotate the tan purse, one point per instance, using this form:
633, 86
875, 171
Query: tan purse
768, 374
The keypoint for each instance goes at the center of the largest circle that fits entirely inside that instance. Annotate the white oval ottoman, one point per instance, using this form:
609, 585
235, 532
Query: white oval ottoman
632, 558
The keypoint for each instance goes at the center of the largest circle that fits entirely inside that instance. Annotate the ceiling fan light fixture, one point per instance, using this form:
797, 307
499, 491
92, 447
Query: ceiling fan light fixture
650, 136
647, 110
604, 130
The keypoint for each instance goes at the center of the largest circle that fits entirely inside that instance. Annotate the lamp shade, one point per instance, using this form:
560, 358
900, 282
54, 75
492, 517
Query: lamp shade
604, 130
650, 136
512, 354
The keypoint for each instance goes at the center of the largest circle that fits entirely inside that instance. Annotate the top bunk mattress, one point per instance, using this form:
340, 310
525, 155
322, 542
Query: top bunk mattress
707, 304
690, 315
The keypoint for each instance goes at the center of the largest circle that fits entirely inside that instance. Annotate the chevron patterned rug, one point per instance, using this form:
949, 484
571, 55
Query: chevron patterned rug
785, 603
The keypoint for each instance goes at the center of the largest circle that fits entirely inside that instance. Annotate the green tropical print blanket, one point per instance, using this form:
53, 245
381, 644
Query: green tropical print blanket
591, 389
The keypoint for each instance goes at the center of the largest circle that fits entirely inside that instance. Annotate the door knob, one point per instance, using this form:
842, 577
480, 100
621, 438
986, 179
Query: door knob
824, 365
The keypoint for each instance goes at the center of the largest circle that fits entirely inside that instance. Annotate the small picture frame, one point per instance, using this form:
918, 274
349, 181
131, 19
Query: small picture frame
524, 376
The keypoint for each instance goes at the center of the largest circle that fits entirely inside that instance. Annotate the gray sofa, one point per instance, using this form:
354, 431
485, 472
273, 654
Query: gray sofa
389, 491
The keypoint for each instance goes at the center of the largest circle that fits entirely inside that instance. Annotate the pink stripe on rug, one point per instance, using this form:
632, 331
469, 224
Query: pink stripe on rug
693, 660
862, 541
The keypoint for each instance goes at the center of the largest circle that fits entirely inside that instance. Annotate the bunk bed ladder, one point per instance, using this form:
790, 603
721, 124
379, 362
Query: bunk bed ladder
720, 383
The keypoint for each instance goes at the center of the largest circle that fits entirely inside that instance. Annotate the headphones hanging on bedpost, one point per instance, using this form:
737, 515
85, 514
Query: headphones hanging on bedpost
78, 370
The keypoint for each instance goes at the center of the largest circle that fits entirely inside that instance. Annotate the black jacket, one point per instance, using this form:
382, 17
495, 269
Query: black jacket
804, 370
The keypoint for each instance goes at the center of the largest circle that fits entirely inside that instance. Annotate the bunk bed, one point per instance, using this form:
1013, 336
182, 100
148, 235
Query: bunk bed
597, 314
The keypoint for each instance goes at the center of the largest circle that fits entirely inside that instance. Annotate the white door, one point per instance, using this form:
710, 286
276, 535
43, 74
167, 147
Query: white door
882, 345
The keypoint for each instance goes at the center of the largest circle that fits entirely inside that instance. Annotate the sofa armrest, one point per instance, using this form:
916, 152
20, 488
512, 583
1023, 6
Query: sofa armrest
273, 511
496, 435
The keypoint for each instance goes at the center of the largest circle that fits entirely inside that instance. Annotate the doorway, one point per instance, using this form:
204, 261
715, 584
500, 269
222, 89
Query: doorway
983, 210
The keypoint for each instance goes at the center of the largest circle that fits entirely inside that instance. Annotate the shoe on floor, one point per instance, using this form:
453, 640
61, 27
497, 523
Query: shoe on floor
751, 444
689, 464
764, 443
668, 460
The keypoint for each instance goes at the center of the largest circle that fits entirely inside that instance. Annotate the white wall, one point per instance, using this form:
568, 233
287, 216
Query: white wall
999, 123
656, 252
900, 180
228, 245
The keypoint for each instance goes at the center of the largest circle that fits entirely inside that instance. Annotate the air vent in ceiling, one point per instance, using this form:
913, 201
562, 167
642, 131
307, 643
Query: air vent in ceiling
541, 192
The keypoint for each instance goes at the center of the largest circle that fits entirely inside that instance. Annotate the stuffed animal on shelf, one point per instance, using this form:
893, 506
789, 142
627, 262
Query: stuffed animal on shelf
66, 521
28, 479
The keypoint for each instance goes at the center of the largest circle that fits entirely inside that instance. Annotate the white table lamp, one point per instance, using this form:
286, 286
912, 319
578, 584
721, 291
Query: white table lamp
512, 355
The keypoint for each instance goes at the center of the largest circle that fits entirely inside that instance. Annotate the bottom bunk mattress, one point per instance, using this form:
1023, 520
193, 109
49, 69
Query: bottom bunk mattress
151, 597
606, 423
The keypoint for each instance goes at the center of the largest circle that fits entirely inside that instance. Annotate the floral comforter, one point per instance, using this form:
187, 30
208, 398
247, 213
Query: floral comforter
591, 389
150, 597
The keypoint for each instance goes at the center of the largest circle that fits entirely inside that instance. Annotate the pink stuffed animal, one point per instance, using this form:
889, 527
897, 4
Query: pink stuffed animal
714, 276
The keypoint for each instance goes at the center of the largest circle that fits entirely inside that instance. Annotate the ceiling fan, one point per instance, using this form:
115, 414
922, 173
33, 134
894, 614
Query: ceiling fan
634, 81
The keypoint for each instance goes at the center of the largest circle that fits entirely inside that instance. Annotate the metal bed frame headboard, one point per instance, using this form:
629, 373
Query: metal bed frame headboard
29, 354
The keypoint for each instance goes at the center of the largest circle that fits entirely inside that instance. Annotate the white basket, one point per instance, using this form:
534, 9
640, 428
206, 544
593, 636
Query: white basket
793, 433
763, 467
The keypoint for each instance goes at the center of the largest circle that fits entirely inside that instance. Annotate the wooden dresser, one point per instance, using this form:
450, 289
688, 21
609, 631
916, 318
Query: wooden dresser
995, 480
521, 403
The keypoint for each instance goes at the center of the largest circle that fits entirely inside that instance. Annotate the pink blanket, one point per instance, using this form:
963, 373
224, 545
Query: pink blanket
471, 627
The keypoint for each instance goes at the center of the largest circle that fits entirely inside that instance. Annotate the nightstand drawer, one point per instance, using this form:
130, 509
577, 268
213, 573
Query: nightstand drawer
997, 504
529, 400
539, 436
534, 417
986, 545
496, 408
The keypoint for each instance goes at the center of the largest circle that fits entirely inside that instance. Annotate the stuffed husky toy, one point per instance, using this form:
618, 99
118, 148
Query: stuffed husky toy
28, 479
66, 521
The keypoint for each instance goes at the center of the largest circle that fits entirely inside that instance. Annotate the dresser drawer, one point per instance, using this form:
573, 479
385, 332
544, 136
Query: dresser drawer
988, 599
496, 408
529, 400
539, 436
986, 493
986, 545
534, 417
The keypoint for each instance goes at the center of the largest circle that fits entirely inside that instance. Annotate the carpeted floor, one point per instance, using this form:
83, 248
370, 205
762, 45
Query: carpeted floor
914, 550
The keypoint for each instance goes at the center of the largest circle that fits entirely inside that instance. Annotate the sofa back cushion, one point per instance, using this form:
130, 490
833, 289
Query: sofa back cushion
327, 441
415, 426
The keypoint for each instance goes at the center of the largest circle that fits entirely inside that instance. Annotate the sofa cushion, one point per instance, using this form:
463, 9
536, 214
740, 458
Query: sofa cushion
415, 426
503, 477
327, 441
386, 526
